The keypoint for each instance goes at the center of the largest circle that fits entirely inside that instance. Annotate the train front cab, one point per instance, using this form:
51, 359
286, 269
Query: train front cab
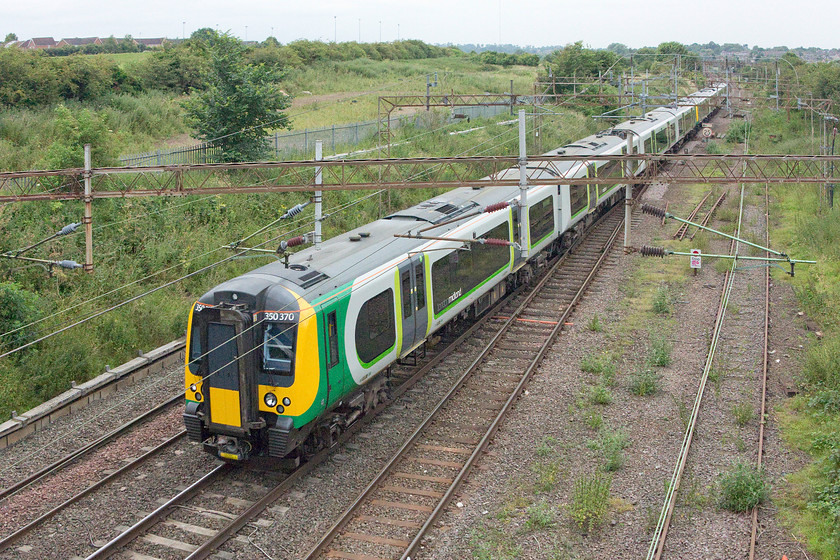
249, 376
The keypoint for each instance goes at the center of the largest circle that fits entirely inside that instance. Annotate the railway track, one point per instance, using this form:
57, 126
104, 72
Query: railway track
683, 229
40, 483
392, 515
200, 497
658, 543
85, 450
764, 361
216, 507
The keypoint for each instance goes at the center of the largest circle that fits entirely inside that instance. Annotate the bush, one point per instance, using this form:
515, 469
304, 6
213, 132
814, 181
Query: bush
738, 131
612, 445
598, 364
73, 131
644, 382
743, 488
600, 395
662, 301
660, 351
540, 516
822, 364
590, 501
743, 413
18, 308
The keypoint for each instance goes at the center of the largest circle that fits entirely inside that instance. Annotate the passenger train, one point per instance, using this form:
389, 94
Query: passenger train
284, 358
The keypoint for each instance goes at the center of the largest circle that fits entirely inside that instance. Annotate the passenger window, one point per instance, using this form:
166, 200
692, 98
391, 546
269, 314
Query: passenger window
577, 198
408, 308
456, 274
541, 219
375, 332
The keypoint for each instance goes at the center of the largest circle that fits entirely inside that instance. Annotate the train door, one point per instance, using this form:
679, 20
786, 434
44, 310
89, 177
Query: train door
413, 300
332, 355
230, 389
591, 171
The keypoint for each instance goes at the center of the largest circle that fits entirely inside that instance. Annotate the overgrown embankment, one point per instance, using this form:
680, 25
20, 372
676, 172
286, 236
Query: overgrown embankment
804, 225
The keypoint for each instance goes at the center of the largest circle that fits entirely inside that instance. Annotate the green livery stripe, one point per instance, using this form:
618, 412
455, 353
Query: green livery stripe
328, 298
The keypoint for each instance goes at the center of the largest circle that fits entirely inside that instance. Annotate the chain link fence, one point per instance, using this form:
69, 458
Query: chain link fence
301, 144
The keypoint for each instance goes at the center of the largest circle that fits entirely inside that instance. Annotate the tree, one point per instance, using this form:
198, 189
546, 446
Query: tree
618, 48
9, 38
576, 60
18, 308
241, 103
74, 129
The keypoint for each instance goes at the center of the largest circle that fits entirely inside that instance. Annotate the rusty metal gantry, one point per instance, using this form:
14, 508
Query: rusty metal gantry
406, 173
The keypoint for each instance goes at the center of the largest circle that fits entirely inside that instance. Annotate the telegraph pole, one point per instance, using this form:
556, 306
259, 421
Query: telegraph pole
523, 188
88, 218
319, 155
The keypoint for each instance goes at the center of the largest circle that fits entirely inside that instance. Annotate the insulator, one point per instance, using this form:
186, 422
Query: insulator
496, 207
294, 211
293, 242
69, 264
497, 242
69, 228
648, 251
653, 210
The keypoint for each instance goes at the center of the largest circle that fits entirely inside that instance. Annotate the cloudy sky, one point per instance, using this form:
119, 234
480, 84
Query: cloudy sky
597, 23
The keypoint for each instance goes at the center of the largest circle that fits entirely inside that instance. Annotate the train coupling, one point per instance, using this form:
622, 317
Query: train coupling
228, 448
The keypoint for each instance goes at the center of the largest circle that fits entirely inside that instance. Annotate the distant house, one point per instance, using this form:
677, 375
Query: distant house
155, 43
79, 42
38, 43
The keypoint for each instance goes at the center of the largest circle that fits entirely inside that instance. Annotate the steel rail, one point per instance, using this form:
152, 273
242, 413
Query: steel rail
16, 487
555, 332
112, 546
210, 546
683, 229
657, 544
709, 214
762, 421
14, 537
347, 516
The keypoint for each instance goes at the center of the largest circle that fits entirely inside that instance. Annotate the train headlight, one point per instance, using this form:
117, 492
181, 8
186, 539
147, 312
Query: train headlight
270, 400
193, 388
287, 401
280, 409
198, 397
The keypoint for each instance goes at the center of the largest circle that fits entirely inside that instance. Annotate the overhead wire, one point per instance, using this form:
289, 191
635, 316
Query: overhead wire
192, 259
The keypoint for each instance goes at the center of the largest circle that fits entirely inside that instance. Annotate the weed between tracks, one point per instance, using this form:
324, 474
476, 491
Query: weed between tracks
590, 501
742, 488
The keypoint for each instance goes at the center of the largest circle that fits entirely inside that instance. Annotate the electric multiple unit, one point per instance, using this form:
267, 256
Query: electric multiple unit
284, 358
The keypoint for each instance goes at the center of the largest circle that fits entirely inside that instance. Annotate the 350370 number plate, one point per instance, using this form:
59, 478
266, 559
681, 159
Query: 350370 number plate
279, 316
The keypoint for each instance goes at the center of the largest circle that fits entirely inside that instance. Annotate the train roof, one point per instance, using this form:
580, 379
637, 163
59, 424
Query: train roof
314, 272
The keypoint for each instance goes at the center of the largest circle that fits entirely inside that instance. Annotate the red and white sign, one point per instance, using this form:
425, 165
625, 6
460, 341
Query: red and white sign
695, 258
